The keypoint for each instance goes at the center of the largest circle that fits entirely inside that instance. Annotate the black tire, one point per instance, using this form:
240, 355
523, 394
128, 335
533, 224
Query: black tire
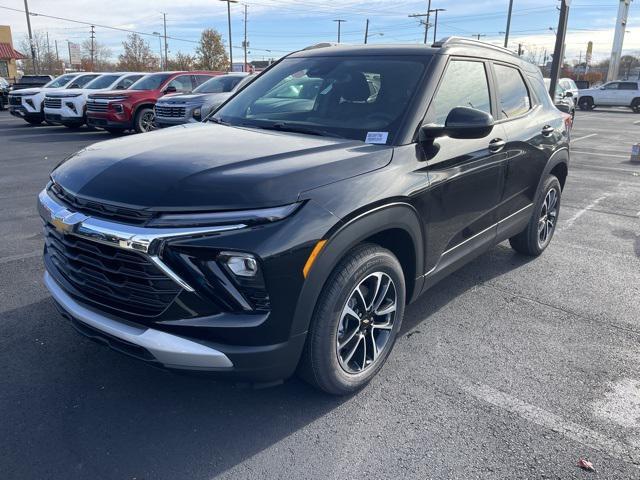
140, 123
115, 131
586, 103
33, 121
635, 105
319, 364
529, 241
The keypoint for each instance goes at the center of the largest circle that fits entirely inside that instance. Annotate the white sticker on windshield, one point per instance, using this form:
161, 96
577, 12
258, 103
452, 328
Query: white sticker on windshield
377, 137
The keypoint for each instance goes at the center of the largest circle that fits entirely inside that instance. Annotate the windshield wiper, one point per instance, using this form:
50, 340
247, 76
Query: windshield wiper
217, 120
284, 127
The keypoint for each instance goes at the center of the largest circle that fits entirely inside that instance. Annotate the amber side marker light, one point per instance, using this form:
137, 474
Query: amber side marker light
312, 257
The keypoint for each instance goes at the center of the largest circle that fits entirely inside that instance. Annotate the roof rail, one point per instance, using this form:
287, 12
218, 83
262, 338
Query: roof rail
321, 45
449, 41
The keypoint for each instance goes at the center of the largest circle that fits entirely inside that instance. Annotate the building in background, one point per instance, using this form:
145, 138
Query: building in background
8, 56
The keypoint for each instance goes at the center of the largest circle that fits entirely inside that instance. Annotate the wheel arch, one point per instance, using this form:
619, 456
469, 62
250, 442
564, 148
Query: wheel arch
558, 165
394, 226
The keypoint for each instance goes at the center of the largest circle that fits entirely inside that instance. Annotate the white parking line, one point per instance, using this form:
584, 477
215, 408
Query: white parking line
544, 418
574, 140
600, 154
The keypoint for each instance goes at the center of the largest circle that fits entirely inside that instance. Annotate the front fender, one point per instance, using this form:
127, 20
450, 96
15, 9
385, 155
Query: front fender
344, 237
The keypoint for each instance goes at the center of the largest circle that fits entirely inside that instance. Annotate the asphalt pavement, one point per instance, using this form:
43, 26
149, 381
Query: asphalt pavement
509, 368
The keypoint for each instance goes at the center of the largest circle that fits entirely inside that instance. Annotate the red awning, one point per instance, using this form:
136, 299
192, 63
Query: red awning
7, 51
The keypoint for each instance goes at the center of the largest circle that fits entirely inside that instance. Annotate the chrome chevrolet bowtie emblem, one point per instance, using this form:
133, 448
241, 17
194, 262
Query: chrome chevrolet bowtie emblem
64, 221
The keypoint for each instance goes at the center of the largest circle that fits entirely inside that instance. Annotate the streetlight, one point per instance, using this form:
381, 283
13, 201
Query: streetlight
229, 2
339, 23
159, 35
435, 25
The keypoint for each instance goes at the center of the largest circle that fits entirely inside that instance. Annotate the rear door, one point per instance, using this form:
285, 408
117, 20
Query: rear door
465, 174
532, 130
609, 94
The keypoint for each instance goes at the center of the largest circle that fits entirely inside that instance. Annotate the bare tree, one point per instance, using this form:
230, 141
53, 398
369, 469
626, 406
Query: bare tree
137, 55
182, 61
211, 53
101, 56
45, 55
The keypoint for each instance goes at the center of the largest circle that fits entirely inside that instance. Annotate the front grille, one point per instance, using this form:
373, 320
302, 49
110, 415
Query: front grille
52, 102
15, 100
166, 111
116, 279
101, 210
97, 107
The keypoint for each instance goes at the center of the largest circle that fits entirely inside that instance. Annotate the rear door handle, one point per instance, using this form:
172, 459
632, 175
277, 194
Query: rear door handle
496, 145
547, 130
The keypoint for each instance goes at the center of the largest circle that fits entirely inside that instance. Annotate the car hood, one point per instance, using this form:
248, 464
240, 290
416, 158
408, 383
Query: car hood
182, 98
34, 90
213, 167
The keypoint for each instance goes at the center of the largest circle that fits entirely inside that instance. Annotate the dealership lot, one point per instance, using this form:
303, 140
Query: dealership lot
509, 368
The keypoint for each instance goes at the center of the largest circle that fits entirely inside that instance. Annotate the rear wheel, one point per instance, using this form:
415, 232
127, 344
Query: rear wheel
586, 103
145, 120
356, 321
115, 131
635, 105
33, 121
534, 239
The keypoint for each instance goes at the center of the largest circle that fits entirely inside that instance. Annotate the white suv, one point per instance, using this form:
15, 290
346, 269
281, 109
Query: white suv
616, 94
27, 103
68, 107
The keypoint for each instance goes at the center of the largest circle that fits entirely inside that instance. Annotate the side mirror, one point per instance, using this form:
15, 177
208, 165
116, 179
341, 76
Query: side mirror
170, 89
119, 87
568, 95
74, 85
563, 107
462, 122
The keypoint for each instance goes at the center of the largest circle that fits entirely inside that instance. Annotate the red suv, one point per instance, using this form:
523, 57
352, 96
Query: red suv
132, 109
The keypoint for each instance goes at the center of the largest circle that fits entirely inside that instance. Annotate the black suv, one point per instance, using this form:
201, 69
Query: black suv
289, 232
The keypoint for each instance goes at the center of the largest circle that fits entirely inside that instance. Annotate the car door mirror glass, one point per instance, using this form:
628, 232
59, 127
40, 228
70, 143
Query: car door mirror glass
461, 122
170, 89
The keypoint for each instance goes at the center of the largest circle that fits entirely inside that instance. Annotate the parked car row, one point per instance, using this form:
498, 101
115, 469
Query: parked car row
116, 101
611, 94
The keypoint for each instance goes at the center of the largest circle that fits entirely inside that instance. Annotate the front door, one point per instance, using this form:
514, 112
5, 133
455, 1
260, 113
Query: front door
465, 175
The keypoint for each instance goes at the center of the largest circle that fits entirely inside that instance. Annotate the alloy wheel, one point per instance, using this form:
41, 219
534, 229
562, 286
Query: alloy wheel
147, 121
548, 217
366, 323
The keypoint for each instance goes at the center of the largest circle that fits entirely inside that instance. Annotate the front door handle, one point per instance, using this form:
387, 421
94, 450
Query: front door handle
547, 130
496, 144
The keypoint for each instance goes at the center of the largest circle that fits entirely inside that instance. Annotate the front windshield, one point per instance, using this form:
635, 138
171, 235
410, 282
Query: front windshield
103, 81
362, 98
61, 81
150, 82
81, 81
223, 83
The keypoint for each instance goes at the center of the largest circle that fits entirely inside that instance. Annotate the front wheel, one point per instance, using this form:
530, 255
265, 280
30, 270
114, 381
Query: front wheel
356, 321
534, 239
635, 105
586, 103
145, 120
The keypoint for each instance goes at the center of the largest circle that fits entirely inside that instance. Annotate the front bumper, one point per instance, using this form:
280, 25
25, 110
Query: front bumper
169, 350
25, 114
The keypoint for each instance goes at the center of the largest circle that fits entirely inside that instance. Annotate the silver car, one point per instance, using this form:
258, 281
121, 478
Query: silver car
180, 108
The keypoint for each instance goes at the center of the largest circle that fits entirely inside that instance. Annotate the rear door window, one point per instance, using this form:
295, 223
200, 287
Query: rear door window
628, 86
513, 95
182, 83
464, 84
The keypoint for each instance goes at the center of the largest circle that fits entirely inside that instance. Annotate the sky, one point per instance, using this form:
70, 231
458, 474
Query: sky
276, 27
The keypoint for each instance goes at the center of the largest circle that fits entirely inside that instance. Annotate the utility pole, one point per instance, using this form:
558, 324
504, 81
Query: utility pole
366, 31
55, 42
245, 44
506, 33
478, 35
48, 54
166, 50
435, 23
422, 22
339, 22
93, 37
519, 49
618, 40
426, 25
229, 2
558, 50
34, 60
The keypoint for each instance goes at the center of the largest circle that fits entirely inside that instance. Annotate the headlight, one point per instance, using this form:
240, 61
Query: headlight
244, 217
71, 106
196, 113
117, 107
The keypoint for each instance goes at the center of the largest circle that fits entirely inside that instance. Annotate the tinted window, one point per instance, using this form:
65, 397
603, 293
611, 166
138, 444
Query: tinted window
513, 96
464, 85
611, 86
331, 96
223, 83
102, 81
182, 83
200, 79
126, 82
628, 86
82, 80
150, 82
61, 81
